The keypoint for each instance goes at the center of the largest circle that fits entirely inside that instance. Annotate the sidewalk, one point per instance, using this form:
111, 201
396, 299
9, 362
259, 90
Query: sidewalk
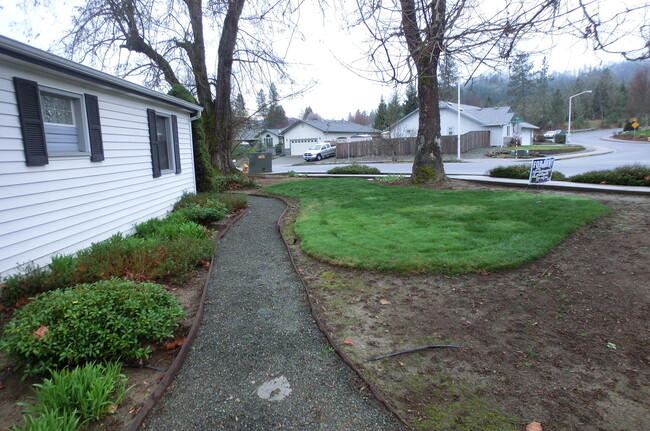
259, 361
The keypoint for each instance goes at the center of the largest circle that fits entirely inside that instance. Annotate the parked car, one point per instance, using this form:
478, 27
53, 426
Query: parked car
319, 151
551, 133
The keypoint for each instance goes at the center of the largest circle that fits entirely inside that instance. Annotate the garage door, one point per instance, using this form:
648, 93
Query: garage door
299, 146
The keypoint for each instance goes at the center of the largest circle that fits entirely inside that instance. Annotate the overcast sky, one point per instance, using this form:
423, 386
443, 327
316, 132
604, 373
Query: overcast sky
337, 90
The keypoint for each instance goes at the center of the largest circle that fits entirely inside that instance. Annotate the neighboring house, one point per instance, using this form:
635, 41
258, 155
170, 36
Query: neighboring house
498, 120
83, 155
304, 133
270, 137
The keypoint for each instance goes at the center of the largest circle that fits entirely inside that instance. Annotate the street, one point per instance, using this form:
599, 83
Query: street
615, 154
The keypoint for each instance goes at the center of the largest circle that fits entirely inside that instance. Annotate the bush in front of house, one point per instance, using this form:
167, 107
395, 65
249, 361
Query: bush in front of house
519, 172
102, 321
354, 169
232, 201
72, 398
234, 182
559, 138
629, 175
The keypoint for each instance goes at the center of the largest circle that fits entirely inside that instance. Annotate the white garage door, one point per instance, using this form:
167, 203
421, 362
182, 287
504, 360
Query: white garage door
299, 146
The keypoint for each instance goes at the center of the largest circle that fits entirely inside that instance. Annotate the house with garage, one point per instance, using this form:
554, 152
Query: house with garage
83, 155
500, 121
302, 134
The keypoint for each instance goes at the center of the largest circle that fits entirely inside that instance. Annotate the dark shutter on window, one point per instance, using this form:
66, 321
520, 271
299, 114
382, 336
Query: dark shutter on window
153, 140
31, 121
177, 153
94, 128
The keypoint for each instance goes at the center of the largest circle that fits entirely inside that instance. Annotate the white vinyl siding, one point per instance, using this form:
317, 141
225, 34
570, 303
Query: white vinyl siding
71, 202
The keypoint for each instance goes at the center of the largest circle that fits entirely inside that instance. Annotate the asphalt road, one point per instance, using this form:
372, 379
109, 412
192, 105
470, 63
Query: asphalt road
603, 154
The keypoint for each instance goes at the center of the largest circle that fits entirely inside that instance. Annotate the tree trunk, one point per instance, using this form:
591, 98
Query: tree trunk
425, 53
427, 165
221, 150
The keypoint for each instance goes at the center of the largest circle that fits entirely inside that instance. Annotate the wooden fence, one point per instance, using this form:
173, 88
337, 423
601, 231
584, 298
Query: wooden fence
380, 147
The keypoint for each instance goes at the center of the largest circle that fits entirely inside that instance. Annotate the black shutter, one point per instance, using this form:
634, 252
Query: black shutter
177, 153
94, 128
153, 140
31, 121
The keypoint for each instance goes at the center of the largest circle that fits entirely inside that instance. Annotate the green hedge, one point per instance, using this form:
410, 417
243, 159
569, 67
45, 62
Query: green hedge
102, 321
354, 169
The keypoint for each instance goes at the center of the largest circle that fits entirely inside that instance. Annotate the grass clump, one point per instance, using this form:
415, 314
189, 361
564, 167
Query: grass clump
232, 202
234, 182
354, 169
106, 320
72, 398
356, 223
519, 172
628, 175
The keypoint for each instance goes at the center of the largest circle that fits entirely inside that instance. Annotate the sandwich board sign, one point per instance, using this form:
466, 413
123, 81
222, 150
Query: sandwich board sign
541, 170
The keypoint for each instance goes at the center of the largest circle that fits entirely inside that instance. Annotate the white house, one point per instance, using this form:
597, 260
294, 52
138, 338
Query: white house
304, 133
83, 155
498, 120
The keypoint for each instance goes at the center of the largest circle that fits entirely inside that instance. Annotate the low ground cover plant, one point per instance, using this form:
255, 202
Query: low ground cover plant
354, 169
161, 250
629, 175
519, 172
72, 398
356, 223
233, 182
102, 321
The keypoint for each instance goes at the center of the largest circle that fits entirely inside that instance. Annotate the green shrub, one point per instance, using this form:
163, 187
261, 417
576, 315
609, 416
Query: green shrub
232, 201
354, 169
234, 182
389, 179
559, 138
519, 172
106, 320
48, 420
629, 175
80, 395
204, 215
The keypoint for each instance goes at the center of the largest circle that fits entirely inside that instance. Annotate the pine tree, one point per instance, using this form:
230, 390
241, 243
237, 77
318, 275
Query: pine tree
447, 78
411, 101
520, 86
381, 121
393, 110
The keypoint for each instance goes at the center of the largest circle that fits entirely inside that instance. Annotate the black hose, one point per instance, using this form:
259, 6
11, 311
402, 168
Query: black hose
414, 349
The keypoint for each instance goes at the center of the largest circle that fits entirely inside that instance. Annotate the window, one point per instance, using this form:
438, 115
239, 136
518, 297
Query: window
163, 139
65, 130
450, 130
57, 123
268, 140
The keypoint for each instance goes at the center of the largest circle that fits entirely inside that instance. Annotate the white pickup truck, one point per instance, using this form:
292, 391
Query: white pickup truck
319, 151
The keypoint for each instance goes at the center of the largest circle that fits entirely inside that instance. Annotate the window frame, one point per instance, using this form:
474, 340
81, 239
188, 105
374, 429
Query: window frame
79, 120
172, 144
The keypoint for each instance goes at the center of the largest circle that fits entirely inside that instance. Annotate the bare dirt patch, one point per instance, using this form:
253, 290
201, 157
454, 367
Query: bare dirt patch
564, 340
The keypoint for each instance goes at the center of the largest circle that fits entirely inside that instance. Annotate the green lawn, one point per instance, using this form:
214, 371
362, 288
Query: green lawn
356, 223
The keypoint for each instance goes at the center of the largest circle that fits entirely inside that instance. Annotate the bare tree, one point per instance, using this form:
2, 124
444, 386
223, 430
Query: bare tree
410, 36
165, 41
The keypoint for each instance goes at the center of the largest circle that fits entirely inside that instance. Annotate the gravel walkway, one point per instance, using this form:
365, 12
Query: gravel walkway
259, 361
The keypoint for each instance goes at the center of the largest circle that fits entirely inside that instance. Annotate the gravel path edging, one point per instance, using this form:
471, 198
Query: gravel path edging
174, 368
322, 327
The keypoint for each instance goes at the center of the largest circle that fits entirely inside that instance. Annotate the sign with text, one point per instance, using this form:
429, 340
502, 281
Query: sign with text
541, 170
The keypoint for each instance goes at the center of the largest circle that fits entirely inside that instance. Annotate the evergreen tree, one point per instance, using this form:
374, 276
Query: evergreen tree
411, 101
380, 121
541, 109
262, 108
557, 111
393, 110
307, 113
447, 78
520, 86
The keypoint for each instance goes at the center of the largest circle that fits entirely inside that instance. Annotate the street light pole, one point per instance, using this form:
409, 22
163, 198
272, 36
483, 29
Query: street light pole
568, 134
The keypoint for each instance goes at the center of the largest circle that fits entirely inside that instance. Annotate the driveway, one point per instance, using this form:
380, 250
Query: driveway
601, 154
